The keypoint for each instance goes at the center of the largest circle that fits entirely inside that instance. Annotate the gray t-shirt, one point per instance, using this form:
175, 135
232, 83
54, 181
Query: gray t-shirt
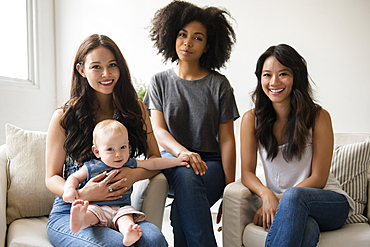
193, 110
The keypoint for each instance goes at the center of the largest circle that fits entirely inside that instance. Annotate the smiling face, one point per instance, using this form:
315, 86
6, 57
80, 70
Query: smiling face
112, 148
100, 69
277, 81
191, 42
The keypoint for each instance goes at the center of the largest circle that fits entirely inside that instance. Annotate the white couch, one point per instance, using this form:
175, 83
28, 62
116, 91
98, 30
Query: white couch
239, 204
28, 227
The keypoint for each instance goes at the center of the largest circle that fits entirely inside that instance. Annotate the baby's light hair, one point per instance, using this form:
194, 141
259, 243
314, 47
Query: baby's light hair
108, 126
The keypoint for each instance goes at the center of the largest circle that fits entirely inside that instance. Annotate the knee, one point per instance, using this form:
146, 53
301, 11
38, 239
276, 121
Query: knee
184, 175
292, 195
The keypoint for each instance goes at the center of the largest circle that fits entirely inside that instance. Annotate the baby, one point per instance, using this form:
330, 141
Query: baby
111, 147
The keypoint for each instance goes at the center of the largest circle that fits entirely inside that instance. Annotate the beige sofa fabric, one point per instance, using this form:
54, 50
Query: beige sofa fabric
239, 205
27, 192
29, 202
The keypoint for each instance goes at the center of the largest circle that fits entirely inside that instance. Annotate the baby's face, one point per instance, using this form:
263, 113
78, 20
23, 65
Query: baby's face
113, 148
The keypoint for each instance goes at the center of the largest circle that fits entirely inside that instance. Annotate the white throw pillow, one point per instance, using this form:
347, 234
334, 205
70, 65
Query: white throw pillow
27, 194
349, 165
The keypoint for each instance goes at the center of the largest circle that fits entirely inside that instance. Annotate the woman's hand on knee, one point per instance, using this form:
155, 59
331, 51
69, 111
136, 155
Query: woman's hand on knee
196, 162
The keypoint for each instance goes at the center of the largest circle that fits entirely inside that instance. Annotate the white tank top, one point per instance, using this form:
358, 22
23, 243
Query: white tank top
281, 175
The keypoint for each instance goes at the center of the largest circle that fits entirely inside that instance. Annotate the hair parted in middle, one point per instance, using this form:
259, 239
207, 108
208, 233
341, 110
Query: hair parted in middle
78, 119
168, 21
303, 109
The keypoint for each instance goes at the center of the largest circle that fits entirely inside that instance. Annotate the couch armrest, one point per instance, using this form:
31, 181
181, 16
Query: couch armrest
3, 189
367, 214
238, 207
149, 196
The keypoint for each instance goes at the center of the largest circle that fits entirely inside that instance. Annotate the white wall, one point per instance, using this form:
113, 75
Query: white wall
333, 36
30, 107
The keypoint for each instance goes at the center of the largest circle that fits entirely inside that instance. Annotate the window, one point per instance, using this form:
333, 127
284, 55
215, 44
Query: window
16, 44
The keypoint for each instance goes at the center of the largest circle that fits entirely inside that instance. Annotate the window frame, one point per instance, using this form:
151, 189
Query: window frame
31, 51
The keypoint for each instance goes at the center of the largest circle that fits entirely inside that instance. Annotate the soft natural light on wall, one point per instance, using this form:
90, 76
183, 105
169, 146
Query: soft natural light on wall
13, 42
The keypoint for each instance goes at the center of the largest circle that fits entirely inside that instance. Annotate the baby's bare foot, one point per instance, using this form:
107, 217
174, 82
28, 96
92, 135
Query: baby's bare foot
78, 212
132, 235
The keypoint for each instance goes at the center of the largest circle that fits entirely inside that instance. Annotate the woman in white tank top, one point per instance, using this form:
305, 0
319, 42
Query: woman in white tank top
295, 139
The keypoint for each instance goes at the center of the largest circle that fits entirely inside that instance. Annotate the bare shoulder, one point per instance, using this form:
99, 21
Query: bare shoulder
249, 117
323, 118
57, 116
58, 113
323, 128
55, 129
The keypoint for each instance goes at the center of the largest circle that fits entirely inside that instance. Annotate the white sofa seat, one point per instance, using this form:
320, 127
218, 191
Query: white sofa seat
149, 196
240, 205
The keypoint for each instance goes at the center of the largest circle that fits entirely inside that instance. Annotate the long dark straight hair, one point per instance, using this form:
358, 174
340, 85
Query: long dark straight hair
303, 109
79, 111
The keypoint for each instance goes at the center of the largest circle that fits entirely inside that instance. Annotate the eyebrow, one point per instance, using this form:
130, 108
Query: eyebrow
200, 33
266, 70
97, 62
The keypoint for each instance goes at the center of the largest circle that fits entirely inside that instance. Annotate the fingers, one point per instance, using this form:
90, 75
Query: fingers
198, 165
98, 177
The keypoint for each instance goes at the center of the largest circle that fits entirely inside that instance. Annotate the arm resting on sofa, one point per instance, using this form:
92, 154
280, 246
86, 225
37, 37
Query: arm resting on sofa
239, 207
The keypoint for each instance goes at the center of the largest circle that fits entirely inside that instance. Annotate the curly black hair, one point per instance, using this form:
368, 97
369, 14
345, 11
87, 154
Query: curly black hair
168, 21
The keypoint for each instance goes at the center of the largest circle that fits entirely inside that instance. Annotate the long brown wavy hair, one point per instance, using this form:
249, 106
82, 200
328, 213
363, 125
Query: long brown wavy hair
303, 109
78, 119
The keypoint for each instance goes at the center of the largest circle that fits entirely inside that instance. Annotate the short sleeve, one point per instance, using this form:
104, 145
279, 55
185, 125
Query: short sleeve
228, 107
132, 163
154, 97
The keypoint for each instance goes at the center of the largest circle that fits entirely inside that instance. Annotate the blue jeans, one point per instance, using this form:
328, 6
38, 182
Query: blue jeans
304, 212
193, 196
60, 234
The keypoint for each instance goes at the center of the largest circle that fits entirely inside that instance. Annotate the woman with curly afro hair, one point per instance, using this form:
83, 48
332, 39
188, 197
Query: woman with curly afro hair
193, 110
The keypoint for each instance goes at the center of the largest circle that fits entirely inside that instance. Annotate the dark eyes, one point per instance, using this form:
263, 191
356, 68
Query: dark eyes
110, 149
281, 74
184, 35
111, 65
123, 147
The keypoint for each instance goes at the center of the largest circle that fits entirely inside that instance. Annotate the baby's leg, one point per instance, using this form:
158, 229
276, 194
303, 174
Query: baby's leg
80, 217
131, 231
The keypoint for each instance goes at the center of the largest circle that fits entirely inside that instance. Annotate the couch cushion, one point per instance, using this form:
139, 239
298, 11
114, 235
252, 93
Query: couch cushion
349, 165
349, 235
27, 194
28, 232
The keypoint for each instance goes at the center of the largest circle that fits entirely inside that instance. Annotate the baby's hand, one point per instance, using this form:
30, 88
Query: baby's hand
195, 161
183, 160
70, 195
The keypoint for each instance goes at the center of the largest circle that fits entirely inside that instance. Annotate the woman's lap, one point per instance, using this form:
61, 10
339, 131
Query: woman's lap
60, 235
190, 211
320, 210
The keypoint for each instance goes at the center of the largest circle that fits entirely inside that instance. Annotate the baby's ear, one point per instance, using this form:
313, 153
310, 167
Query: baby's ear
95, 151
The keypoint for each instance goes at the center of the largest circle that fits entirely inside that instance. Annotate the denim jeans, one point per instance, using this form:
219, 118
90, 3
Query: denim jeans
304, 212
193, 196
60, 234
